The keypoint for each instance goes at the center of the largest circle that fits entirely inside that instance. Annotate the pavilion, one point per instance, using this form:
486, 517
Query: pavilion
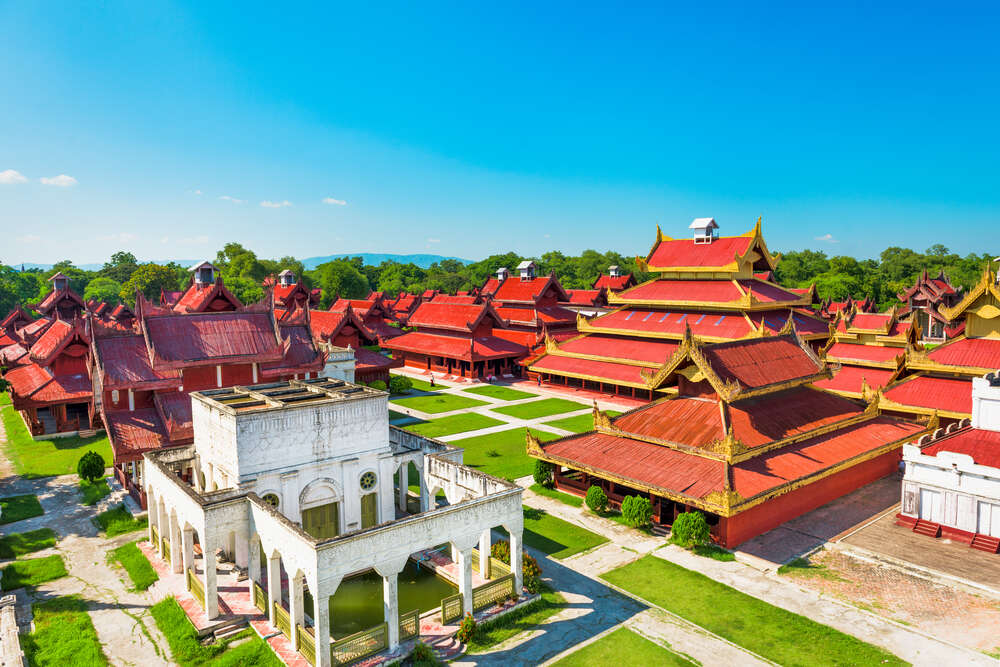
923, 303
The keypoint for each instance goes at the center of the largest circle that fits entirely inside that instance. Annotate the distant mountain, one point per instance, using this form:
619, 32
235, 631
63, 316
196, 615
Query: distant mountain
374, 258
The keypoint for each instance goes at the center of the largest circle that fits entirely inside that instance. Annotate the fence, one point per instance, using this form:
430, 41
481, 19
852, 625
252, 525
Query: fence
497, 567
492, 592
451, 608
409, 625
166, 549
156, 538
360, 645
282, 620
305, 644
259, 597
196, 587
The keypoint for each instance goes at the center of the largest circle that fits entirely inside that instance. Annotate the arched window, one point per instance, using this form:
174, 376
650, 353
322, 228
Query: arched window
272, 500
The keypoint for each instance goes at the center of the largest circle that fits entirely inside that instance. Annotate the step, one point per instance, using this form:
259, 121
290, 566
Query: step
928, 528
228, 631
985, 543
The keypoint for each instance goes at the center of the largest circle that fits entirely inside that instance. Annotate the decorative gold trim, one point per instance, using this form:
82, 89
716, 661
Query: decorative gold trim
919, 359
987, 284
601, 419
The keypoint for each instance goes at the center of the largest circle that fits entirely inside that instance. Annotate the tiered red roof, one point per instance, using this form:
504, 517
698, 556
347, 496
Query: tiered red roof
951, 397
613, 283
982, 445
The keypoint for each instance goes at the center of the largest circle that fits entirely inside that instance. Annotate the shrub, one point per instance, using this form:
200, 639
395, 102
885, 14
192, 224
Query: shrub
543, 473
378, 384
466, 630
501, 551
90, 467
637, 511
399, 384
597, 500
423, 655
531, 571
690, 529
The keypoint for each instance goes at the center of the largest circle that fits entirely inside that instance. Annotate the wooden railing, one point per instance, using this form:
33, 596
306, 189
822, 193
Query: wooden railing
360, 645
497, 567
492, 592
409, 625
451, 608
282, 620
166, 549
305, 644
259, 597
156, 538
196, 587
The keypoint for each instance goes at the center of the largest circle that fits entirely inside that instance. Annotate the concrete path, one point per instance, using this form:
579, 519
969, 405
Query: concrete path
127, 632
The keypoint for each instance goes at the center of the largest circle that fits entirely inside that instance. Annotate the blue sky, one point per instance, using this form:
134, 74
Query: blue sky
469, 129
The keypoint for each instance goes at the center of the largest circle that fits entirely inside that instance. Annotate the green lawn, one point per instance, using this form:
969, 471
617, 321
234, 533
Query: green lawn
501, 454
117, 521
772, 632
422, 385
64, 635
393, 416
623, 648
33, 571
490, 634
4, 399
580, 423
500, 393
435, 403
18, 508
187, 651
470, 421
18, 544
555, 537
94, 491
135, 564
565, 498
542, 408
44, 458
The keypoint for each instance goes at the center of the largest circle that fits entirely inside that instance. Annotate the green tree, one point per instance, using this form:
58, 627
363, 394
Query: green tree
120, 267
90, 466
149, 279
103, 289
340, 278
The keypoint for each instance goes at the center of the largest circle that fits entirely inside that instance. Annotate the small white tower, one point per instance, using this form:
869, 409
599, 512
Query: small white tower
704, 230
614, 271
502, 274
286, 278
204, 273
527, 270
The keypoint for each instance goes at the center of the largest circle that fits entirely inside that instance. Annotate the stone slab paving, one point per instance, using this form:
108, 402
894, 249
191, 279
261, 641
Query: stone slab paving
908, 643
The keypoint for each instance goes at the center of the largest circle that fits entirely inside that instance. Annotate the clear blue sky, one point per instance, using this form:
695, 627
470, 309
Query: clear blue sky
469, 129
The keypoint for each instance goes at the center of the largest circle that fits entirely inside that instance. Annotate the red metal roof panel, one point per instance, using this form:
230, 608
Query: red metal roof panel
858, 352
650, 350
934, 393
849, 379
186, 340
135, 432
125, 363
968, 352
600, 370
982, 445
683, 253
758, 362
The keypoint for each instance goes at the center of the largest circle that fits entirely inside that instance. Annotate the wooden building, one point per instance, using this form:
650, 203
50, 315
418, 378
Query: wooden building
614, 280
531, 306
746, 440
924, 303
705, 284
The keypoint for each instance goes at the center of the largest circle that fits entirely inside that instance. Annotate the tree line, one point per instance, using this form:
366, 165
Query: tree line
243, 271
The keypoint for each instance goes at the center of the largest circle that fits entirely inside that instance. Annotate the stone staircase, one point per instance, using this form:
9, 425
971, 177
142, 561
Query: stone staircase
446, 647
928, 528
985, 543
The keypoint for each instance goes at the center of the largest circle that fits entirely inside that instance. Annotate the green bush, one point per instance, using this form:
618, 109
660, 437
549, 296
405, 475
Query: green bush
424, 655
637, 511
467, 629
690, 529
543, 473
399, 384
597, 500
531, 571
377, 384
90, 467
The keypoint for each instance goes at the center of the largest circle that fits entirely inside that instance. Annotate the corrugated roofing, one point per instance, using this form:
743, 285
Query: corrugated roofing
526, 291
682, 253
200, 338
685, 420
456, 347
849, 379
175, 411
135, 432
651, 350
453, 316
982, 445
125, 363
593, 369
858, 352
933, 393
759, 362
299, 353
611, 283
968, 352
792, 412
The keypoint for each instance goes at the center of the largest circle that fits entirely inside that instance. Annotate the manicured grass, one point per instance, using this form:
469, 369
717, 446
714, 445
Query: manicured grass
18, 544
555, 537
617, 517
117, 521
565, 498
542, 408
64, 635
623, 648
33, 571
4, 399
800, 567
470, 421
423, 385
94, 491
44, 458
435, 403
490, 634
580, 423
501, 454
714, 552
769, 631
393, 416
187, 651
18, 508
135, 564
498, 392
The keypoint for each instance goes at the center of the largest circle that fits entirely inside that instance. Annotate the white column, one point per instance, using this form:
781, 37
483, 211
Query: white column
465, 578
404, 485
296, 606
152, 518
175, 545
273, 586
253, 567
211, 588
163, 527
187, 549
516, 559
390, 596
321, 619
425, 497
485, 543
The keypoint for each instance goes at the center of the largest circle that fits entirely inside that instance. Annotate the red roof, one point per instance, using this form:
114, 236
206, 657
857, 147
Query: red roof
212, 338
674, 322
683, 253
849, 379
490, 286
174, 408
933, 393
13, 354
453, 298
527, 291
982, 445
709, 291
806, 323
198, 297
55, 296
124, 361
456, 347
759, 362
547, 314
365, 359
858, 352
611, 283
453, 316
360, 306
584, 297
609, 371
968, 352
170, 297
34, 385
871, 321
653, 351
58, 338
327, 325
135, 432
300, 356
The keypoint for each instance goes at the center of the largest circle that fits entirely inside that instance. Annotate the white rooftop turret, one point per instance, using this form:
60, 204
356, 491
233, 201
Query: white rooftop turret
704, 229
613, 271
502, 273
204, 273
526, 269
286, 278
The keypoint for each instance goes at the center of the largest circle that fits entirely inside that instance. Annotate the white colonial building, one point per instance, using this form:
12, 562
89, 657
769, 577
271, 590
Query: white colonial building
951, 486
308, 478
